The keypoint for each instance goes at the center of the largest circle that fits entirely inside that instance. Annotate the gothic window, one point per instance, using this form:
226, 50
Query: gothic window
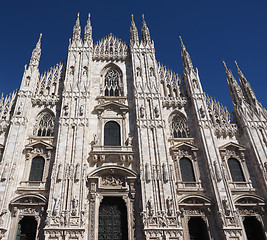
236, 170
187, 171
112, 83
45, 125
179, 127
112, 134
37, 169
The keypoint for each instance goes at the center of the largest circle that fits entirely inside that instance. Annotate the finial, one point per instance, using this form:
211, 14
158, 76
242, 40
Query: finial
181, 40
143, 16
132, 18
238, 69
78, 15
38, 44
224, 64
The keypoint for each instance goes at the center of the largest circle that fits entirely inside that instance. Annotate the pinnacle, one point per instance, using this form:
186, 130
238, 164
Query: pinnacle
224, 64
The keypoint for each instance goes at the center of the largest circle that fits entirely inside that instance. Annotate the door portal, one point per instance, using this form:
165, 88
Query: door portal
112, 219
253, 229
197, 229
27, 229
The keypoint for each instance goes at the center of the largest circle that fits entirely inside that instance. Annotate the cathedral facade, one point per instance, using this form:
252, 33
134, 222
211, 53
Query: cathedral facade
113, 145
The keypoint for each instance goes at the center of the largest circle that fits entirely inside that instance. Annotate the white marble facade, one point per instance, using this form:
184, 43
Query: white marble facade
112, 123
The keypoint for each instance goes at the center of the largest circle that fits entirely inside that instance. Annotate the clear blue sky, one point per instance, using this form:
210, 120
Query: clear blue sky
211, 30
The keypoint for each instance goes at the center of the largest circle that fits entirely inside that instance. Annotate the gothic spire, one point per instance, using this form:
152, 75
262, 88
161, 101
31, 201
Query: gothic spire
145, 33
187, 62
76, 35
36, 53
234, 88
133, 33
88, 30
246, 87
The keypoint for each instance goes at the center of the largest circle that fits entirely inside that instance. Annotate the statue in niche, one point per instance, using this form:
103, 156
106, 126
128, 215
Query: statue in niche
150, 207
66, 109
81, 110
20, 108
95, 141
74, 203
142, 111
169, 203
56, 202
156, 110
129, 140
85, 71
71, 70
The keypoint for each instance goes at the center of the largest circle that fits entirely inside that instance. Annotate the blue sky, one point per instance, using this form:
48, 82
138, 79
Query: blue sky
211, 30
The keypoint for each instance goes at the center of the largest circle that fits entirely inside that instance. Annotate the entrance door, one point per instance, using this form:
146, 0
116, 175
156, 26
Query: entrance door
112, 219
253, 229
197, 229
27, 229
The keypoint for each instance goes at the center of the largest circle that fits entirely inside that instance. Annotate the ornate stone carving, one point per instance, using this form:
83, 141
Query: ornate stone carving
112, 180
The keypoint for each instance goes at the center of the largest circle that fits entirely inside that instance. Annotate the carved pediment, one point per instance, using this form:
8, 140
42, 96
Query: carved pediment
249, 200
183, 146
111, 106
232, 146
29, 199
194, 200
38, 144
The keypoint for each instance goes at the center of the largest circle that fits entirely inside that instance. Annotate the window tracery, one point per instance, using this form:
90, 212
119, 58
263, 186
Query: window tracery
112, 83
179, 127
45, 125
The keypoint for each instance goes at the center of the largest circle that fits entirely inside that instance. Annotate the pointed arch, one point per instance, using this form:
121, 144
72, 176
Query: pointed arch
178, 125
45, 123
112, 81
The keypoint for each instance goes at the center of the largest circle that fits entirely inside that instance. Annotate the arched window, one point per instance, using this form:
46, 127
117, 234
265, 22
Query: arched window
112, 134
236, 170
45, 125
112, 81
179, 127
37, 169
187, 171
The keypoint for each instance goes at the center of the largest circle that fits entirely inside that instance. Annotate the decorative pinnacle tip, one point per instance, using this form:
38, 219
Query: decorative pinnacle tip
78, 15
143, 16
237, 66
132, 17
40, 35
181, 40
89, 15
224, 64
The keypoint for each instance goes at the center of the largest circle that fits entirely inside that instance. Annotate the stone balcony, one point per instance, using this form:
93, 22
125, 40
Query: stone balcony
113, 154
